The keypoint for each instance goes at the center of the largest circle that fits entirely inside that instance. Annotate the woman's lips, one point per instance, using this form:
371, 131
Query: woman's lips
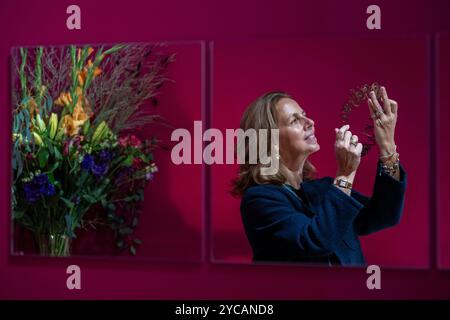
311, 138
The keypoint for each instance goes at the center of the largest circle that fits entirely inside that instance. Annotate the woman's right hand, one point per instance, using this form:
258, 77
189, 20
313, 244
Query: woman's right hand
348, 156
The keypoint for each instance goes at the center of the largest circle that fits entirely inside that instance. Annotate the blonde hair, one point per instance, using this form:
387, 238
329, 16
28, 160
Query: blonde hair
262, 114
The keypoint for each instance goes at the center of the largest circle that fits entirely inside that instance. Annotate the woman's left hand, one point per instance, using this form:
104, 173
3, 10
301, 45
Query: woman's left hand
385, 119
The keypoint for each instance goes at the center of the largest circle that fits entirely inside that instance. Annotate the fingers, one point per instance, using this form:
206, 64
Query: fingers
394, 106
344, 128
386, 101
355, 146
376, 119
371, 109
341, 131
347, 137
353, 141
375, 105
344, 137
359, 148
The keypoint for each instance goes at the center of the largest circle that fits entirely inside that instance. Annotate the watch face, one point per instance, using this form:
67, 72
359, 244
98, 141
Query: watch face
343, 183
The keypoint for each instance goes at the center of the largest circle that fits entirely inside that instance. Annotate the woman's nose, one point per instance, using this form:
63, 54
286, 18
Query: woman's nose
309, 122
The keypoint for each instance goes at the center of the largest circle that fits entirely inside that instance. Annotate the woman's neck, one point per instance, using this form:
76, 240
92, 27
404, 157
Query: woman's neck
293, 174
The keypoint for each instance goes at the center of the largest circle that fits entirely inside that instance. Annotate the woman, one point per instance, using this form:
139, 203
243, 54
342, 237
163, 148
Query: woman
291, 216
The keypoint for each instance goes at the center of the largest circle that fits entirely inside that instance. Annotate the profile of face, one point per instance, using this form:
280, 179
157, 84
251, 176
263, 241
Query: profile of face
296, 132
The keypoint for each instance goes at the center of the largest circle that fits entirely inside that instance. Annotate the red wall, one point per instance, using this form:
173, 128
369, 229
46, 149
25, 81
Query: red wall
37, 23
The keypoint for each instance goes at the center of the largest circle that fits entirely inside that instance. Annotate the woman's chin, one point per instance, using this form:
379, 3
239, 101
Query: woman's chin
316, 147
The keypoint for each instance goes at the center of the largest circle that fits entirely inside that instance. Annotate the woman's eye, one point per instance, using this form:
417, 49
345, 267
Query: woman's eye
294, 121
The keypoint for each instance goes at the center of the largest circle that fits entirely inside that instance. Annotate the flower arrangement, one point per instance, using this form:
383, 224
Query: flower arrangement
73, 149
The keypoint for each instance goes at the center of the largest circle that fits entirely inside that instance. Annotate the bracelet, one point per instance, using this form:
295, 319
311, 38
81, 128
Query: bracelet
393, 158
391, 154
391, 166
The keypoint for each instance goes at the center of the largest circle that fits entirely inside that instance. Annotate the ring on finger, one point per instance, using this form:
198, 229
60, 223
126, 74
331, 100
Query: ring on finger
378, 113
354, 141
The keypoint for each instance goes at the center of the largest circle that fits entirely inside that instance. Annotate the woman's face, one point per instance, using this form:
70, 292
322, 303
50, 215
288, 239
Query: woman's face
296, 131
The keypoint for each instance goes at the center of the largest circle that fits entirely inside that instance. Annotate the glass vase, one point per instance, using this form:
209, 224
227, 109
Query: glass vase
55, 245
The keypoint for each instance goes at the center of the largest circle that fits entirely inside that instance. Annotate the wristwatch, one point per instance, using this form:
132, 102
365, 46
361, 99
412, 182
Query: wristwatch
342, 183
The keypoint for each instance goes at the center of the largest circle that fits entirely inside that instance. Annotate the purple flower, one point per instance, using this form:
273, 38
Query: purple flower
50, 190
98, 165
39, 187
105, 155
42, 189
99, 169
88, 162
41, 179
31, 192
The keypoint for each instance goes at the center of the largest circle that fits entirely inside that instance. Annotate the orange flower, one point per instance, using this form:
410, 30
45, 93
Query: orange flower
69, 125
73, 123
80, 78
97, 72
64, 99
82, 75
81, 112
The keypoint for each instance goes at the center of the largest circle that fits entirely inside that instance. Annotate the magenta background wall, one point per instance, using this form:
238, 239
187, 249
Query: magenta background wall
443, 96
173, 227
43, 23
319, 73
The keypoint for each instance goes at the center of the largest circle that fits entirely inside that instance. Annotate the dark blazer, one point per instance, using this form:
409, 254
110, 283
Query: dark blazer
319, 223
